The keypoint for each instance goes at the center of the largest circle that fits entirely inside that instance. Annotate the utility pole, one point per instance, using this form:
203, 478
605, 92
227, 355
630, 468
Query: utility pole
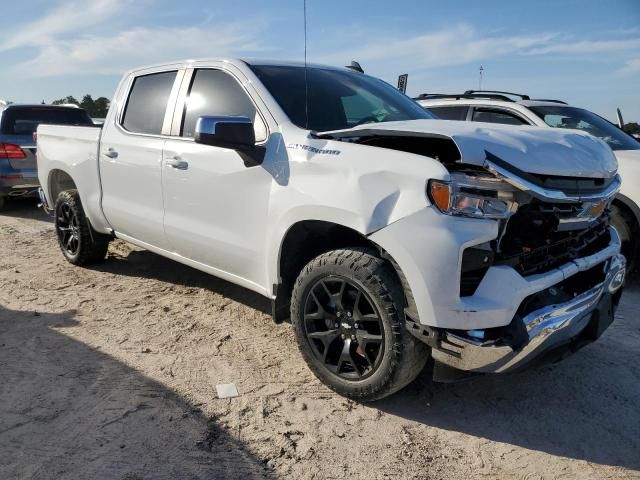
480, 79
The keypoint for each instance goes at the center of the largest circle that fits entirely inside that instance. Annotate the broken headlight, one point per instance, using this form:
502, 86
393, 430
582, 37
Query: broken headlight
477, 196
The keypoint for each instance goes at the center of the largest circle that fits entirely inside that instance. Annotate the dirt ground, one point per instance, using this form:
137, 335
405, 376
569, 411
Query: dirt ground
110, 373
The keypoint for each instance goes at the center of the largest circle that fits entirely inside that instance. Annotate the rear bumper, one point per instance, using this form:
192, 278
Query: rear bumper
580, 320
16, 183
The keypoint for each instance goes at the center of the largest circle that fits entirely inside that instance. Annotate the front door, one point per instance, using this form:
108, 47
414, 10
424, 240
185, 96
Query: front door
215, 206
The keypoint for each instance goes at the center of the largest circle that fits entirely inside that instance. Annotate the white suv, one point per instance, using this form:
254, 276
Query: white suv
517, 109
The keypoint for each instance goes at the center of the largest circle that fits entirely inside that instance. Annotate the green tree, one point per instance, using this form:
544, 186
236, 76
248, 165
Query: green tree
87, 104
632, 128
95, 108
67, 100
100, 107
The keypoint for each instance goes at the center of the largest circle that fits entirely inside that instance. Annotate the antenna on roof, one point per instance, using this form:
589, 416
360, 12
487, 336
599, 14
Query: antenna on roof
355, 66
306, 81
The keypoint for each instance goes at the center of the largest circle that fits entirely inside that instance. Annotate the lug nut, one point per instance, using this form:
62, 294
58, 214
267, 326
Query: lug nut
336, 325
339, 314
353, 337
355, 325
349, 314
342, 336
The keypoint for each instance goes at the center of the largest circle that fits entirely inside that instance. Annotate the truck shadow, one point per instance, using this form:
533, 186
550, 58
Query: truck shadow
586, 407
70, 411
24, 208
146, 264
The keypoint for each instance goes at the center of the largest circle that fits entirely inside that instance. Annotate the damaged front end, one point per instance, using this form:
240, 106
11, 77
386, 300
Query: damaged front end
540, 230
548, 280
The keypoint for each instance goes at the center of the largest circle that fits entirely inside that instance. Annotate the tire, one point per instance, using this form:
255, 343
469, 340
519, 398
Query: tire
373, 365
80, 244
627, 230
3, 203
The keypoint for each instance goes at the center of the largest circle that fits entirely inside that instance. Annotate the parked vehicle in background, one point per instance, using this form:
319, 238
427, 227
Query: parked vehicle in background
518, 109
387, 237
18, 124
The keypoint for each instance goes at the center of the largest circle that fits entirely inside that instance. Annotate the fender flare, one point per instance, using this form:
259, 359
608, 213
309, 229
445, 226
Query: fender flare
631, 205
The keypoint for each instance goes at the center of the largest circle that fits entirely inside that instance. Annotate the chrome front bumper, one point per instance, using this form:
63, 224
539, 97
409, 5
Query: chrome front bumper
547, 328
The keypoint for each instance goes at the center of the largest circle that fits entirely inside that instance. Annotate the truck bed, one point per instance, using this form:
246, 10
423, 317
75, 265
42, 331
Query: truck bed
75, 150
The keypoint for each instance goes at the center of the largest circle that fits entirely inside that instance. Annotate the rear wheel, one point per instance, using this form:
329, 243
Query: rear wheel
347, 314
3, 202
80, 244
627, 230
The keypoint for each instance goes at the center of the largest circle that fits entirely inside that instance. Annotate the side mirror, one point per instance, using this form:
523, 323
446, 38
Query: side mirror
227, 132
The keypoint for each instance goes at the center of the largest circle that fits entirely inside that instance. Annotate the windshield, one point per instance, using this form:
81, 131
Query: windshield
25, 120
581, 119
337, 99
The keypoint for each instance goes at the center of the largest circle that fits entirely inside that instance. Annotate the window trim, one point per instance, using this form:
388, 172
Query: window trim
168, 112
181, 99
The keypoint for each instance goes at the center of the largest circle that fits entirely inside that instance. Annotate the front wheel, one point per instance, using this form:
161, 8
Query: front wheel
80, 244
347, 315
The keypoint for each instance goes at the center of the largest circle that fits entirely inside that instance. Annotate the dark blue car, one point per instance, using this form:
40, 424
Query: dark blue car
18, 124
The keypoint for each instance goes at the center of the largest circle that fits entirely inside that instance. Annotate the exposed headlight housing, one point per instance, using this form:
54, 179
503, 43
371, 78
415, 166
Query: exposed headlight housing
473, 196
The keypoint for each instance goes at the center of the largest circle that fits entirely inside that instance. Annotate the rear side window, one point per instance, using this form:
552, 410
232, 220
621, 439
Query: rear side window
491, 115
449, 113
213, 93
147, 103
25, 120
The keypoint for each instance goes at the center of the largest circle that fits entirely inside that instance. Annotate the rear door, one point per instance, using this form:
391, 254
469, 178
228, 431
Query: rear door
131, 156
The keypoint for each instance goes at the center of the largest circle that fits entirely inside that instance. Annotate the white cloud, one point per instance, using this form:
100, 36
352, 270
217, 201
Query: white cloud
452, 46
116, 53
463, 44
66, 18
631, 66
588, 47
98, 37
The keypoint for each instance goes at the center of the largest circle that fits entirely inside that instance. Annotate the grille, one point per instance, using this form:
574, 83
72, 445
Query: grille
532, 244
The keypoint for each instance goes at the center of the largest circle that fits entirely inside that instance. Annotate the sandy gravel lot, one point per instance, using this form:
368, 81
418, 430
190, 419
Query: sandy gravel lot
110, 373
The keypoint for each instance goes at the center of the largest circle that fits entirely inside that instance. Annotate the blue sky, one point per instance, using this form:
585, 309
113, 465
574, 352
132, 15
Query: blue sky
585, 52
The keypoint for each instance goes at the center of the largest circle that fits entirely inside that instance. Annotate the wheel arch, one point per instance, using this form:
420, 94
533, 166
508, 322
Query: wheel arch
630, 207
305, 240
59, 181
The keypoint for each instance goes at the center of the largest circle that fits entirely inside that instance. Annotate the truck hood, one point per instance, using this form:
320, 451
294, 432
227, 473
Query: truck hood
544, 151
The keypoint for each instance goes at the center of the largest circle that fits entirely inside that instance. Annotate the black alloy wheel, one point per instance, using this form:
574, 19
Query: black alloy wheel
344, 328
68, 229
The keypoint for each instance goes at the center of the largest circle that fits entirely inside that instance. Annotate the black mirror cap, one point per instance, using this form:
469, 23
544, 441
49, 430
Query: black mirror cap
236, 133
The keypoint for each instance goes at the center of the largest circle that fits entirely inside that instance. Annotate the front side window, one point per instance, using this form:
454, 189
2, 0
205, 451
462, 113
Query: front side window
147, 103
491, 115
216, 93
324, 99
571, 117
449, 113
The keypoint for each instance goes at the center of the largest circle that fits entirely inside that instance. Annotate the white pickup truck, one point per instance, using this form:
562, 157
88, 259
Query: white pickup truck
386, 236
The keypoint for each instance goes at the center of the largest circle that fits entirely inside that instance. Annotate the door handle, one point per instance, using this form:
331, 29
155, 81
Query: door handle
178, 163
111, 153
